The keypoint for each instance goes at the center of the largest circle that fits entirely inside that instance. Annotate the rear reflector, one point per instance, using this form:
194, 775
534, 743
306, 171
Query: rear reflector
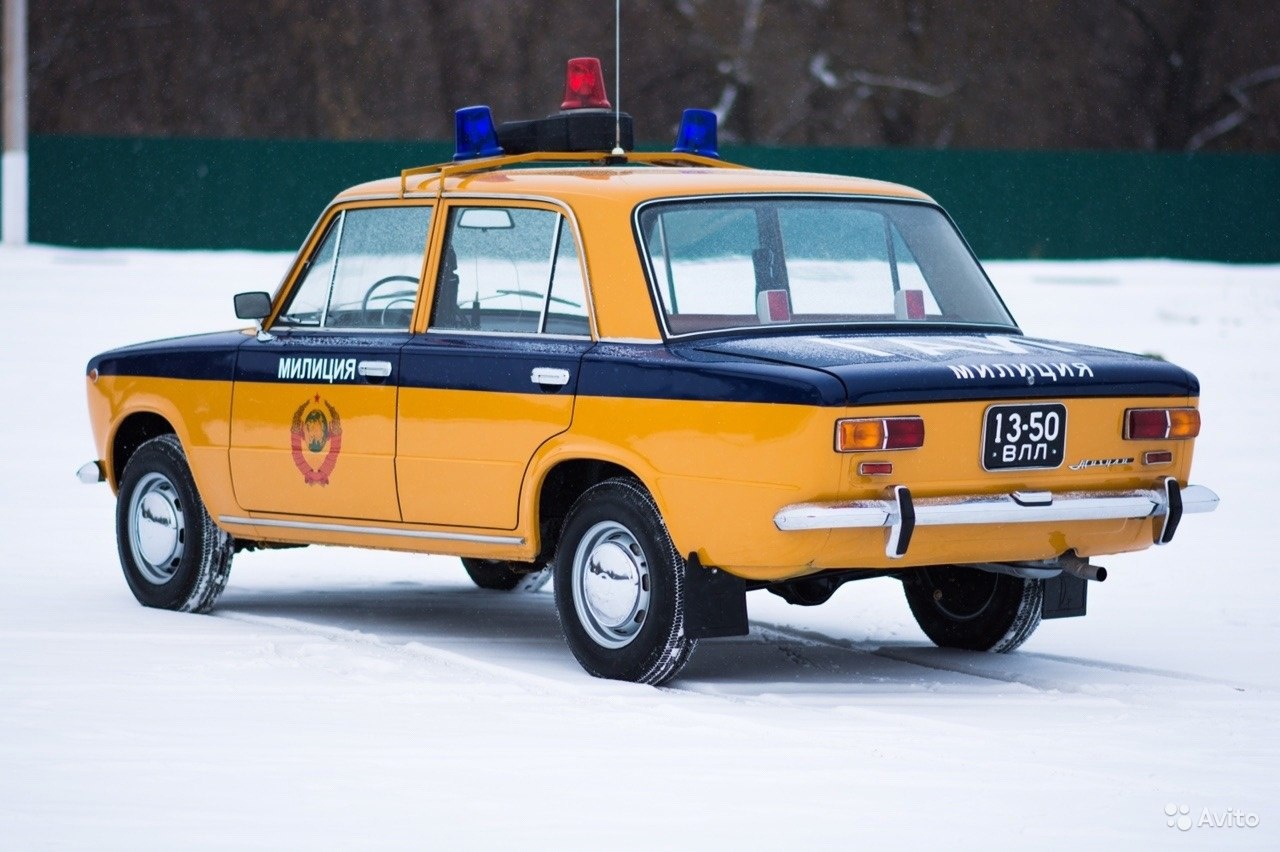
879, 433
875, 469
1159, 424
1158, 457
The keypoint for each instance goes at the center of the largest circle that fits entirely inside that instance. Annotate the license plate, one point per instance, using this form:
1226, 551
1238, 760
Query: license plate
1018, 437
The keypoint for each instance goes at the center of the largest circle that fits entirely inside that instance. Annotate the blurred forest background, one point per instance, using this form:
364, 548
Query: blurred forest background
1166, 75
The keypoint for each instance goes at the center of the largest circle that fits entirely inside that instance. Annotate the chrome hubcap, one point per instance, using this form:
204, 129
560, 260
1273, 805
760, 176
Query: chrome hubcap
611, 587
157, 528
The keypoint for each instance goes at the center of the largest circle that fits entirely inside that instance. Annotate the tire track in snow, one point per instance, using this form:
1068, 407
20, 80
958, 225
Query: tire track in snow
997, 667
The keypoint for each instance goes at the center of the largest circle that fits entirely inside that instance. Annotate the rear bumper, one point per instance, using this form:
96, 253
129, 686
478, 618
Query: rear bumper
900, 513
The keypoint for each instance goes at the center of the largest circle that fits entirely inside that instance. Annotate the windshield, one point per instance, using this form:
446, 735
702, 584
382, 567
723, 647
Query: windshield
746, 262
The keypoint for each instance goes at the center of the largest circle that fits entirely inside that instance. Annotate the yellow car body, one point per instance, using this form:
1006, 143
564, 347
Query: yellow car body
394, 396
719, 470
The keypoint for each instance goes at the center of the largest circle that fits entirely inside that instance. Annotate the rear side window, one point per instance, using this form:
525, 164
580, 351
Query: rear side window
510, 270
364, 274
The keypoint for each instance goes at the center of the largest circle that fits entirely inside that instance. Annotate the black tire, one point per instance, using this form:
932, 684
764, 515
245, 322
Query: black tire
959, 607
496, 574
623, 620
173, 555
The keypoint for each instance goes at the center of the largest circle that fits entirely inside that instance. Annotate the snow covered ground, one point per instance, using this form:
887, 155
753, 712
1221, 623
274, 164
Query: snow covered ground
343, 698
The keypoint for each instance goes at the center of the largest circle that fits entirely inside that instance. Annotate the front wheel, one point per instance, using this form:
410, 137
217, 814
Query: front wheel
173, 555
959, 607
619, 586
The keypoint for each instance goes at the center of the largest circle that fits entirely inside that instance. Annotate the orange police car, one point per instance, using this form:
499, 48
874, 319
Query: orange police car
666, 380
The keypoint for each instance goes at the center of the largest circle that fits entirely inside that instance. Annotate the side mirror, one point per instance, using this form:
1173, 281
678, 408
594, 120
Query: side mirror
253, 306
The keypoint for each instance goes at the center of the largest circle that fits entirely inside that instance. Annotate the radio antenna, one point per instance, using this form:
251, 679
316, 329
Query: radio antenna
617, 79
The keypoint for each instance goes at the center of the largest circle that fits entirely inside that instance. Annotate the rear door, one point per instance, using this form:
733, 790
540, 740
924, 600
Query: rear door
313, 420
496, 373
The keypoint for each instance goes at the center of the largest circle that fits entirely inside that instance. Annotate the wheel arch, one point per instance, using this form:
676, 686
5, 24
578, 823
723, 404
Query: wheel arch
561, 484
132, 432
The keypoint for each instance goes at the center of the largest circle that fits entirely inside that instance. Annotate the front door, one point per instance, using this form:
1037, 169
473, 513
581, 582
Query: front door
496, 374
313, 414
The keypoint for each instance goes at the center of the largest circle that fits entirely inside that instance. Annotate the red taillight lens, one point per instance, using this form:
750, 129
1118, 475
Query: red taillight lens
879, 433
584, 85
1159, 424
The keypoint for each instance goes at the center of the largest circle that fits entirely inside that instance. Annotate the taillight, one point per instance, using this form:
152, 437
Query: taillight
1159, 424
873, 434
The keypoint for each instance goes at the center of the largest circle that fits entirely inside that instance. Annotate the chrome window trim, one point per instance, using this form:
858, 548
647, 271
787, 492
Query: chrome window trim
528, 335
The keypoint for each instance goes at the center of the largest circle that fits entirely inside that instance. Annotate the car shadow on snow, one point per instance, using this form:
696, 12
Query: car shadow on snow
521, 631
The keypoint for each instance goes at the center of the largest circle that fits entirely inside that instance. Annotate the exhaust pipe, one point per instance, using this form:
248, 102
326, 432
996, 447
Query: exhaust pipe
1078, 566
1067, 563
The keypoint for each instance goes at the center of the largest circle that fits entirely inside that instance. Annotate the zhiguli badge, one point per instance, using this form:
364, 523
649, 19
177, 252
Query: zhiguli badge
314, 432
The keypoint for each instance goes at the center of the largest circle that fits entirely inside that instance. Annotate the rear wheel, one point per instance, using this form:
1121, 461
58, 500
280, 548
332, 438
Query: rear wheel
173, 555
620, 586
959, 607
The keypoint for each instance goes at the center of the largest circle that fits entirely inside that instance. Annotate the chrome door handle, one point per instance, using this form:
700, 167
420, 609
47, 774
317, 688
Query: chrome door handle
550, 376
374, 369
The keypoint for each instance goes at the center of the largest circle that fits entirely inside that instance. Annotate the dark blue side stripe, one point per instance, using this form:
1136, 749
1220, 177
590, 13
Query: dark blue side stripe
654, 372
695, 373
209, 357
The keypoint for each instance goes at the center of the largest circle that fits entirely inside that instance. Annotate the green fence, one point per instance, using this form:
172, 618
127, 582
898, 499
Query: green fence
260, 194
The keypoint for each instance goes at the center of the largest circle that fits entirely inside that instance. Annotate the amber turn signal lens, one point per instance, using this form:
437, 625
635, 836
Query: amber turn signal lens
879, 433
1184, 423
1158, 424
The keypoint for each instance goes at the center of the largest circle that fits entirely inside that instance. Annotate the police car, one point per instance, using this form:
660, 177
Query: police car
667, 379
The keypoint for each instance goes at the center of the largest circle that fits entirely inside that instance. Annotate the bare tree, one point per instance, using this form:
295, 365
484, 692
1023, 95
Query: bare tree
1161, 74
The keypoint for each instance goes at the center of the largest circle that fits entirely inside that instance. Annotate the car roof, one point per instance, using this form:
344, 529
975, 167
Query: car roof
625, 183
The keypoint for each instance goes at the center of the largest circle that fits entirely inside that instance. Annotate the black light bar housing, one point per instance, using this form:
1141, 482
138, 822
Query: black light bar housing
579, 130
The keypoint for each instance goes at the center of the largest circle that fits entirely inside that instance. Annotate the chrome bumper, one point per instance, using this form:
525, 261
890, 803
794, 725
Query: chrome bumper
901, 514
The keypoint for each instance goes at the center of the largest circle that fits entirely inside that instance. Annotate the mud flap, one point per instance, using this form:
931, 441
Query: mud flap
1064, 596
715, 602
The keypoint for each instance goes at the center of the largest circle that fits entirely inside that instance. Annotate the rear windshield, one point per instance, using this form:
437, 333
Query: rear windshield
732, 263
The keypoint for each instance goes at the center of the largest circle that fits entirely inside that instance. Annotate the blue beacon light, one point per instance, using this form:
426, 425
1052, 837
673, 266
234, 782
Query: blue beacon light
697, 133
474, 134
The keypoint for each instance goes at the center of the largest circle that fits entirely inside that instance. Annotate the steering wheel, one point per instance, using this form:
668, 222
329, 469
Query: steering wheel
399, 295
397, 299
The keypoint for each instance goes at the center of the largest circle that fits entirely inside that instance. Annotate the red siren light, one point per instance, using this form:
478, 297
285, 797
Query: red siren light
584, 85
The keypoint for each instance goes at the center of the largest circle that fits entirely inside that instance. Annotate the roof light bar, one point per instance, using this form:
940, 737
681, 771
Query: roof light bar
697, 133
474, 134
584, 85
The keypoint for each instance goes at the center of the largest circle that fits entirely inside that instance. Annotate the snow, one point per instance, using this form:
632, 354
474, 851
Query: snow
345, 698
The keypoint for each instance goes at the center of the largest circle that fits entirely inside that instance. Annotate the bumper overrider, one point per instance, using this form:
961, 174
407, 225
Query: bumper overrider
901, 514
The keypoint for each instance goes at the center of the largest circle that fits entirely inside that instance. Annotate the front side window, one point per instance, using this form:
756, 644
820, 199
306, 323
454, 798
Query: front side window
365, 272
733, 263
510, 269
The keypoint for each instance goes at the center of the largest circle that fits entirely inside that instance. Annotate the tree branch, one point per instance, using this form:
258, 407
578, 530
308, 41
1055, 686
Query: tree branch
1237, 90
820, 70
